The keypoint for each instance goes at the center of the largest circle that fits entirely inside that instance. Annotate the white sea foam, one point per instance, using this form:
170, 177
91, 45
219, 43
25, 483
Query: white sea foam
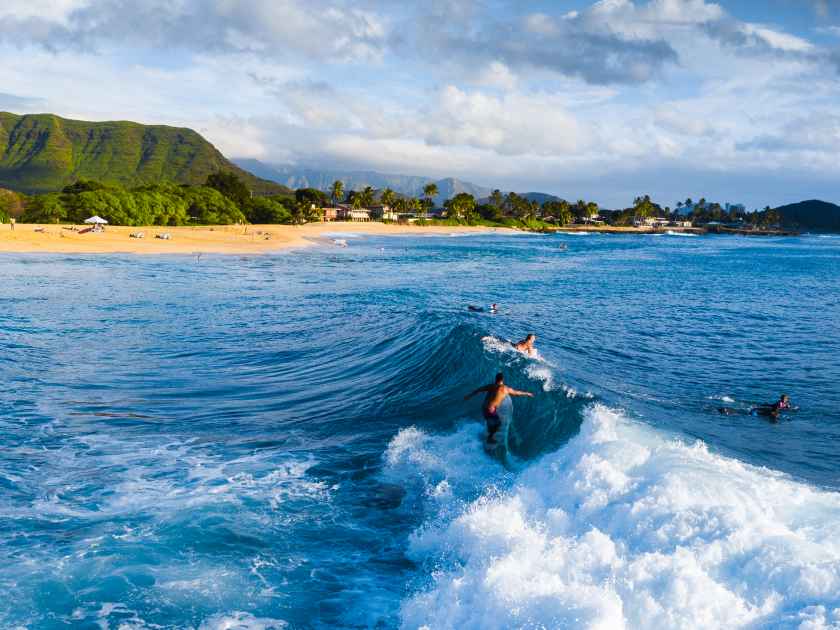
242, 621
502, 346
344, 235
621, 528
672, 233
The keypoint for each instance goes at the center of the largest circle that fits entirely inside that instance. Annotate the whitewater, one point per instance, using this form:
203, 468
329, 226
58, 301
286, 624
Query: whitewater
282, 441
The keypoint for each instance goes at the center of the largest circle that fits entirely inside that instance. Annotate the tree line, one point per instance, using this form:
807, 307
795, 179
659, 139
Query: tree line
700, 212
226, 199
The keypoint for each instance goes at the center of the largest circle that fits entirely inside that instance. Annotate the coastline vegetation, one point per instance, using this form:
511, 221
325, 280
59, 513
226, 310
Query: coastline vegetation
225, 198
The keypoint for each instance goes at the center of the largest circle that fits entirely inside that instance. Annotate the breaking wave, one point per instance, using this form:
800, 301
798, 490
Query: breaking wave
619, 526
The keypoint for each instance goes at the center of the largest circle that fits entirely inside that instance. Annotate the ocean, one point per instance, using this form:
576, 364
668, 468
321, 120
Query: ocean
282, 441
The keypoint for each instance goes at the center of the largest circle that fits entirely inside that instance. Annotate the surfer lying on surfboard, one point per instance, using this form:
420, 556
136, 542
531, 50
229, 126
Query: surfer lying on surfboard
495, 396
480, 309
771, 411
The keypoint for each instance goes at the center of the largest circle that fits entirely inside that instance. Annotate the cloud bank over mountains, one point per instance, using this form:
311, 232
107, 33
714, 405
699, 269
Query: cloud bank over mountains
606, 99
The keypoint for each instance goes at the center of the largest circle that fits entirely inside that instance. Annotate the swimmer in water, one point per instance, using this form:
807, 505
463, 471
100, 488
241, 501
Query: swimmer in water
775, 410
495, 395
527, 345
480, 309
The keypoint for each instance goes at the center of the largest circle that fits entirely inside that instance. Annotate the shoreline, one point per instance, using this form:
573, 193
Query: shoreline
216, 239
30, 238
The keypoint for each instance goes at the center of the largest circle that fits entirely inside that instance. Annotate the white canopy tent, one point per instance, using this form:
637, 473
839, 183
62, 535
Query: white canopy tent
96, 220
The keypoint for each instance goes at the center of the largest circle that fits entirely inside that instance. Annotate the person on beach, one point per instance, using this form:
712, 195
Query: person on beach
527, 345
495, 394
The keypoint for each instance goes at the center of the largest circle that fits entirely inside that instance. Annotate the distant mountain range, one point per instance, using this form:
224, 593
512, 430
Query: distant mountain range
412, 185
43, 153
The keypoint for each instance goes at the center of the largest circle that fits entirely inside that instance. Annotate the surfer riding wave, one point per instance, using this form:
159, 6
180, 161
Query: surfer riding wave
496, 393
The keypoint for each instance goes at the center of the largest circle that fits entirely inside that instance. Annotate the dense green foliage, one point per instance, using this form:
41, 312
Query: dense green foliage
43, 153
811, 215
163, 204
311, 196
224, 200
230, 186
265, 210
11, 204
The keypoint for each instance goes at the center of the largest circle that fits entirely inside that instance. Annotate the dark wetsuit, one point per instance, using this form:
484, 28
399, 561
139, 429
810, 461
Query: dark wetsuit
771, 411
494, 422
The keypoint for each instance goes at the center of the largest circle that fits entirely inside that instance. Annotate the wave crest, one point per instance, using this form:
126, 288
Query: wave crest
621, 527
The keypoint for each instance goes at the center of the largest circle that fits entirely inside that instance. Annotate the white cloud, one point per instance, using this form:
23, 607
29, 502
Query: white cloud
541, 23
778, 40
235, 136
512, 124
829, 30
318, 28
57, 10
497, 75
650, 19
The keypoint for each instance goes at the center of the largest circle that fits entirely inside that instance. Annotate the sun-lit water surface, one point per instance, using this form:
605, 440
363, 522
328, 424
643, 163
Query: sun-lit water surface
281, 441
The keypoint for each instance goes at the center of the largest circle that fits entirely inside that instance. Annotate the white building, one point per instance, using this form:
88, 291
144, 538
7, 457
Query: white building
650, 222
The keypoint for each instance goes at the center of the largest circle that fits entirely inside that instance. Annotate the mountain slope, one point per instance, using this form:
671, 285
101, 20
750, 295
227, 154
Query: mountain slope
43, 153
411, 185
816, 215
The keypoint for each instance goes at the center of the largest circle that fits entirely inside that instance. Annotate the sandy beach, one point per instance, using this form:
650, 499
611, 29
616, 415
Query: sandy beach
250, 239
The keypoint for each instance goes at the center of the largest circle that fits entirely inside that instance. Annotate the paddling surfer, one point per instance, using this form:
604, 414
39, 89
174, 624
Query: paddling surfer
771, 411
775, 410
495, 394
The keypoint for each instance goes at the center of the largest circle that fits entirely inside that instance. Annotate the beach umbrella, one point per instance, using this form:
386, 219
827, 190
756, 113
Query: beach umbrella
96, 219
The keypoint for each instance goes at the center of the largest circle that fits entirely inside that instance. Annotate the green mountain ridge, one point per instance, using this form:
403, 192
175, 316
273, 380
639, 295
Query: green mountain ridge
42, 153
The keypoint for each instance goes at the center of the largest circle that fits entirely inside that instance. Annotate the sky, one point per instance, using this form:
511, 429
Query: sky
737, 101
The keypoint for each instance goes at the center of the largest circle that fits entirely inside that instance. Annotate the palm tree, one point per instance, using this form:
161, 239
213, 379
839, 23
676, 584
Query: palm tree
367, 197
564, 212
497, 200
388, 199
430, 191
300, 210
337, 191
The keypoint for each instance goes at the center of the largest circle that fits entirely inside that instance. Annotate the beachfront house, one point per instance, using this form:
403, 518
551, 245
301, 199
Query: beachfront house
591, 220
329, 214
654, 222
346, 212
382, 212
681, 223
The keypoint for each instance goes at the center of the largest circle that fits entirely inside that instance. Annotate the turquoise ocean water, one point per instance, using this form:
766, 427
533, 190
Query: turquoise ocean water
281, 441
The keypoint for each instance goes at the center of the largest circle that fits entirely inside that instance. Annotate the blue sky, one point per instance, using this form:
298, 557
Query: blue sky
736, 100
